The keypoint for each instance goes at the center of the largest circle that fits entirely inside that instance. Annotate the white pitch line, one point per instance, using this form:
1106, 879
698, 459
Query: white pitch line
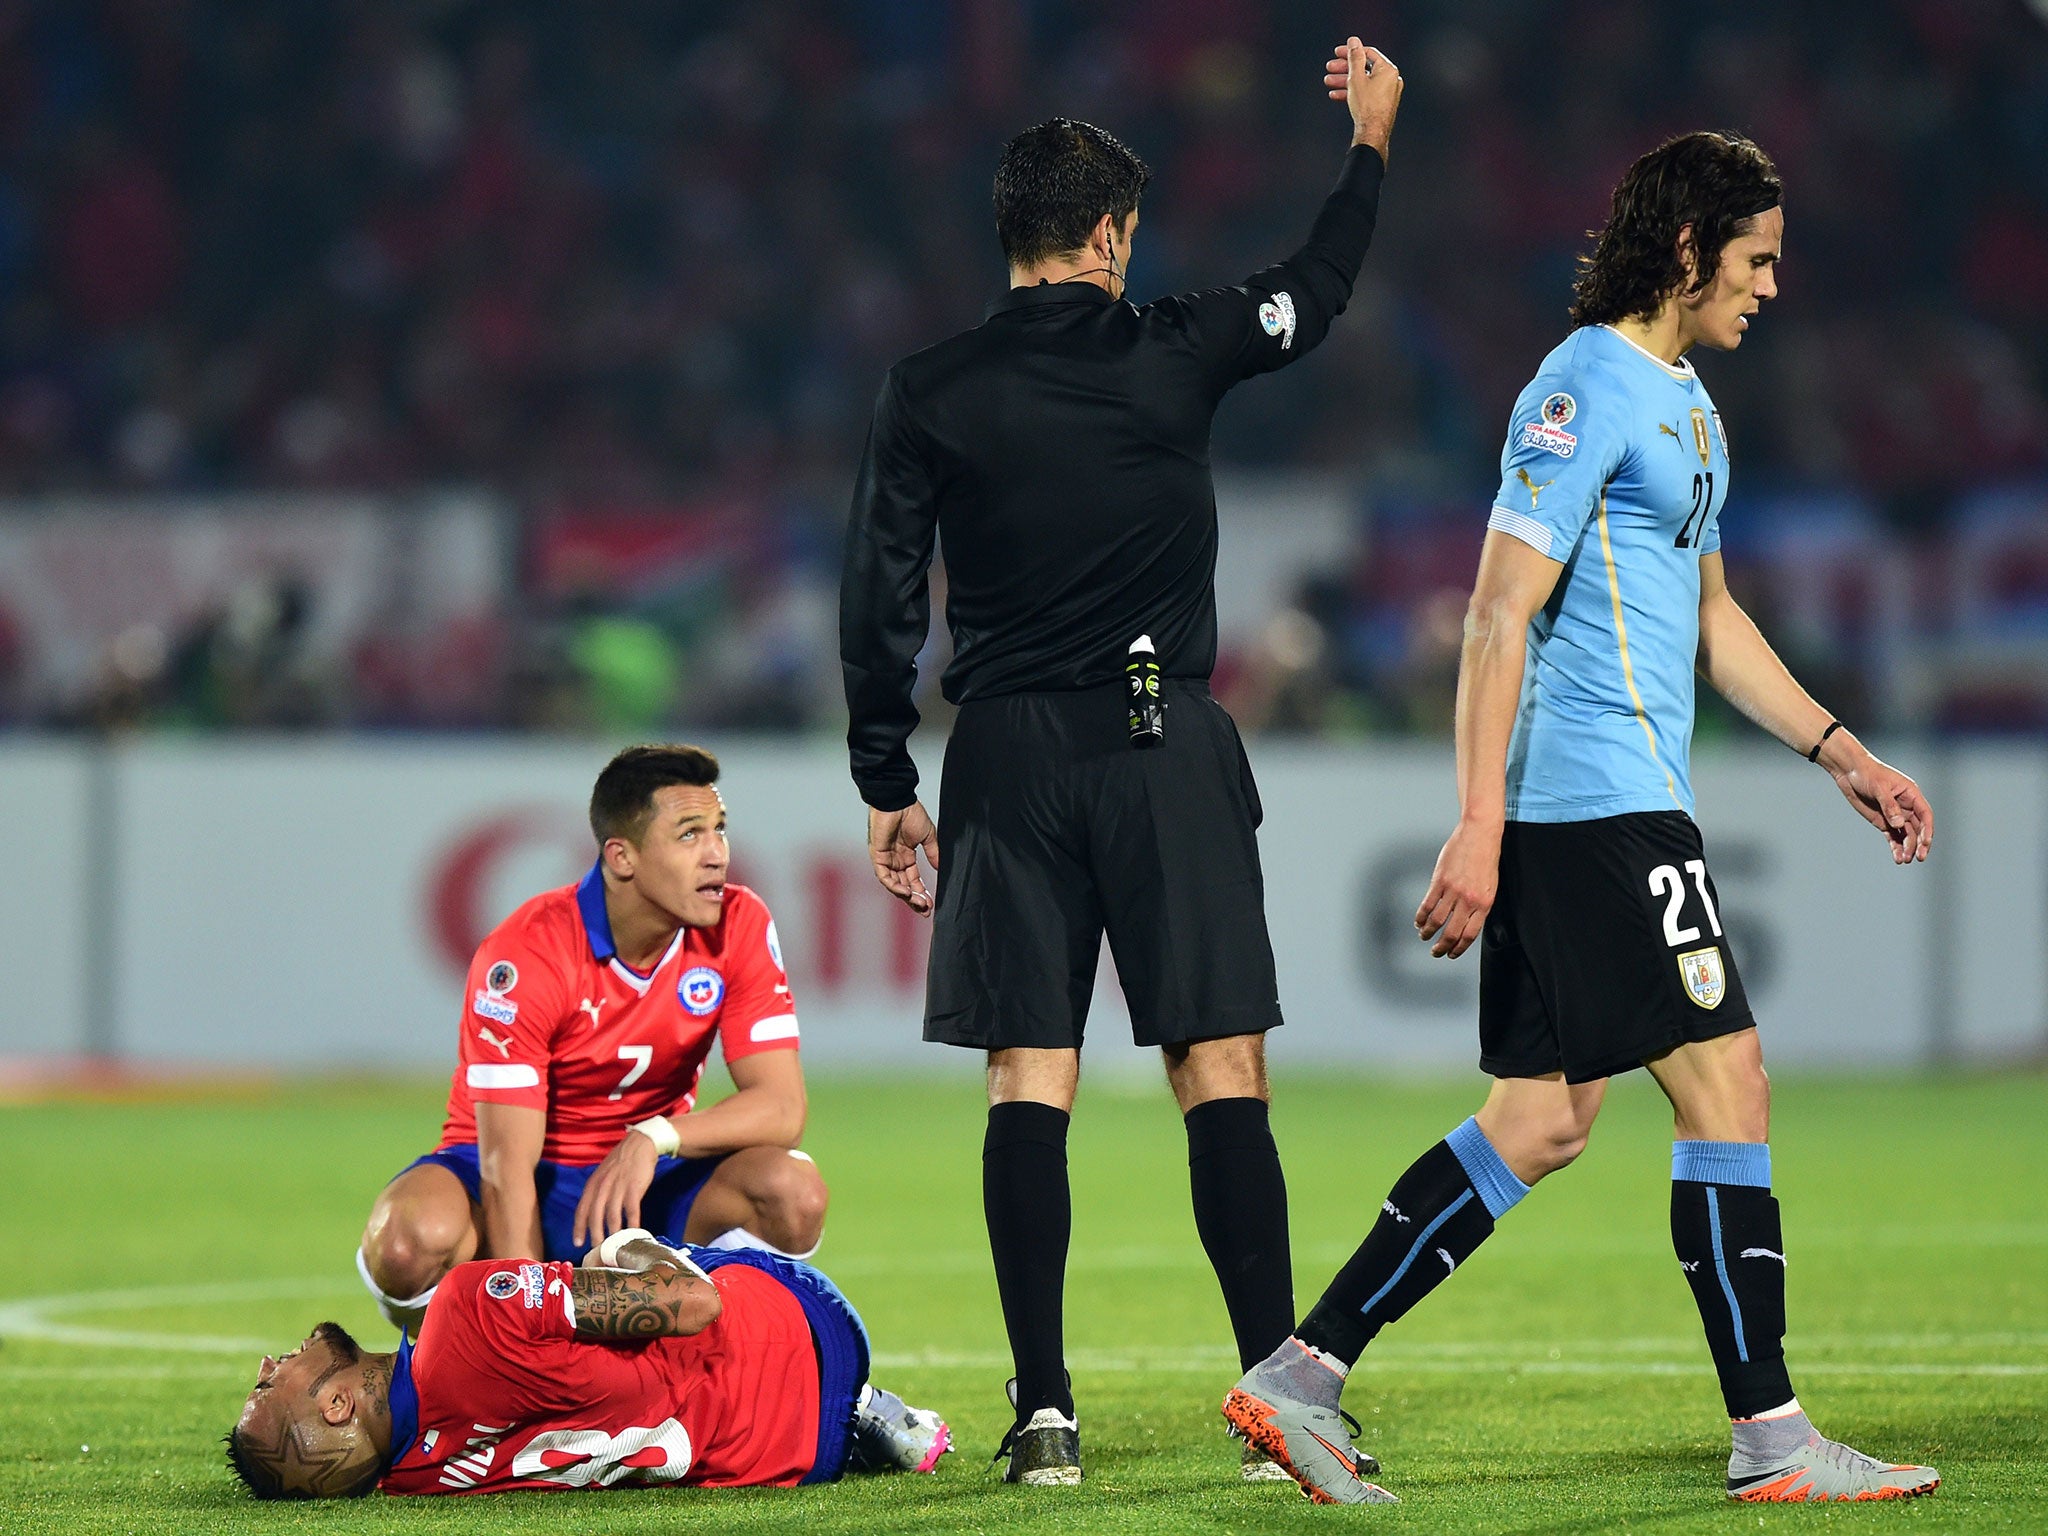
36, 1318
1648, 1246
206, 1294
1188, 1362
207, 1372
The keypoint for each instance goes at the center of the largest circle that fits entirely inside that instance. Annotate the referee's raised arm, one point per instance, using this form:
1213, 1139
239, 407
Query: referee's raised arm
1282, 312
1093, 787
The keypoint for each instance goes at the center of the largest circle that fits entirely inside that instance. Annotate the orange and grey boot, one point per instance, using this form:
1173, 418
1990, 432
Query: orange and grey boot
1823, 1470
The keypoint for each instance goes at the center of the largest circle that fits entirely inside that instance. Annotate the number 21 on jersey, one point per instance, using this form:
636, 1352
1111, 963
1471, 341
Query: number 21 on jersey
1695, 522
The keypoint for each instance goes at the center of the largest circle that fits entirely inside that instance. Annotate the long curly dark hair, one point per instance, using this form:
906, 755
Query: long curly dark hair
1712, 181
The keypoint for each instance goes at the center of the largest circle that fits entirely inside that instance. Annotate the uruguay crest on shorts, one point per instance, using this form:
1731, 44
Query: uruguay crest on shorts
1705, 981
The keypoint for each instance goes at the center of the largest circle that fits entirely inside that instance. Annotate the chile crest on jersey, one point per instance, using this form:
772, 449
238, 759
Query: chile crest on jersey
701, 990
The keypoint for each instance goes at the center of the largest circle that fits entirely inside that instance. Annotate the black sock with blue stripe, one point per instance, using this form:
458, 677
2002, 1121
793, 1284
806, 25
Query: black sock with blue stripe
1724, 1226
1436, 1215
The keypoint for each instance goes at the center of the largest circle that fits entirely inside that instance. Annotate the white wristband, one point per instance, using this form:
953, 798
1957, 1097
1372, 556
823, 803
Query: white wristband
660, 1130
608, 1250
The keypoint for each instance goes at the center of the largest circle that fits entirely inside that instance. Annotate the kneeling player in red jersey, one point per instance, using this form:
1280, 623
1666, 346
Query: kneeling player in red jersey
543, 1376
586, 1022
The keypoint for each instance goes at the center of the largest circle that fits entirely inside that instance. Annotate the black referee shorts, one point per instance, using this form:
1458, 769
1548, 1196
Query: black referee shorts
1053, 831
1604, 947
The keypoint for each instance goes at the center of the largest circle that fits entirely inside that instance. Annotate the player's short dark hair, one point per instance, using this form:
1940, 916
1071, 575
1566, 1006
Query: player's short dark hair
264, 1478
1712, 181
622, 802
259, 1477
1055, 182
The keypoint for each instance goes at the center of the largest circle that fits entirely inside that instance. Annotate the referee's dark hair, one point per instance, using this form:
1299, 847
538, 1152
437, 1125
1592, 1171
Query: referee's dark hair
1712, 181
1055, 181
622, 802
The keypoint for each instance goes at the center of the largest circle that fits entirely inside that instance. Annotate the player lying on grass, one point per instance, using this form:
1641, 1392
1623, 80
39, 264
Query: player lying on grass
1575, 863
586, 1022
718, 1369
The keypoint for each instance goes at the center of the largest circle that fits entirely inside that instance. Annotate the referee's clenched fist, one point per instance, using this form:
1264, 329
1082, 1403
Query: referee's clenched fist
1091, 784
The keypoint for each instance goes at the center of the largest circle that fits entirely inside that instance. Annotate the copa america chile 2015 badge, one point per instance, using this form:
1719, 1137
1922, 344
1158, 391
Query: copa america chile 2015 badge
491, 1002
1548, 430
1276, 318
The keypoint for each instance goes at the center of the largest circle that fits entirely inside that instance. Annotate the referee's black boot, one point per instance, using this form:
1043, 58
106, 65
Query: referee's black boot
1044, 1450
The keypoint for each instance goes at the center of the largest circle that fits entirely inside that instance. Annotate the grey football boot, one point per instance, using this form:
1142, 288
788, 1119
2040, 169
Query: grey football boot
891, 1436
1820, 1471
1292, 1418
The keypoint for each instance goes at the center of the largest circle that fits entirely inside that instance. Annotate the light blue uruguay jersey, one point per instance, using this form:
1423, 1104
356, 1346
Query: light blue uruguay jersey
1616, 465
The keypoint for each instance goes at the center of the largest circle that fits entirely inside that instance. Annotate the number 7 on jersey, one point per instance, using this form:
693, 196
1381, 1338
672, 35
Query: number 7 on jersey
641, 1056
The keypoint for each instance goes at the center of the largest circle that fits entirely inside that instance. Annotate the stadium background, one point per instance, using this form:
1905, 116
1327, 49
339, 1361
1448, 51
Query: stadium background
402, 405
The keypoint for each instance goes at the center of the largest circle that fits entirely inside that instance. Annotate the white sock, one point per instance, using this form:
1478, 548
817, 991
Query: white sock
1324, 1357
401, 1312
1784, 1410
740, 1237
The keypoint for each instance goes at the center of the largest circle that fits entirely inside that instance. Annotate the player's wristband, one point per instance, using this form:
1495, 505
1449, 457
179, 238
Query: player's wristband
661, 1130
608, 1250
1814, 755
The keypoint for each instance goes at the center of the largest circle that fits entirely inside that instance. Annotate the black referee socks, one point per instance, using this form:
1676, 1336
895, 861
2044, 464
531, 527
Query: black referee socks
1437, 1214
1030, 1218
1240, 1199
1724, 1227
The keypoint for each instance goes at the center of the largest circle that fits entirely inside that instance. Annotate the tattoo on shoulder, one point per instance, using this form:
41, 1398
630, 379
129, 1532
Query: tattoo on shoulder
617, 1304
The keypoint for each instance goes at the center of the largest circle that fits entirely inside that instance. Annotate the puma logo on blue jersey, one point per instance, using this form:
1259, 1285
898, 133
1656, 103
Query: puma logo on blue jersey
1535, 490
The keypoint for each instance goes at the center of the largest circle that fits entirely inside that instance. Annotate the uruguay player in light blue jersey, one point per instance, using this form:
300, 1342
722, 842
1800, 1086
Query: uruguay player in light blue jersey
1616, 465
1575, 864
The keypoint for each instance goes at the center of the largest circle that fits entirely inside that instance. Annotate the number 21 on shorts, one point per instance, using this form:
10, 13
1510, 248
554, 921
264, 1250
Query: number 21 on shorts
1665, 881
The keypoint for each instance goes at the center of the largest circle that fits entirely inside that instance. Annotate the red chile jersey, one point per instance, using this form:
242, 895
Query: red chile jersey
500, 1393
552, 1019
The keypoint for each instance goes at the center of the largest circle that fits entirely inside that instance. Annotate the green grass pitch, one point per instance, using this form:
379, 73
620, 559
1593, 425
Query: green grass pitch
1557, 1383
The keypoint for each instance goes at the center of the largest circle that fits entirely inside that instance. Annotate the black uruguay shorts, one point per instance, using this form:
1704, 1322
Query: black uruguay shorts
1054, 830
1604, 947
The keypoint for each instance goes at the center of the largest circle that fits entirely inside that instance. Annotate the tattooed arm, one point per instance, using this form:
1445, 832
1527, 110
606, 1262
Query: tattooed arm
661, 1296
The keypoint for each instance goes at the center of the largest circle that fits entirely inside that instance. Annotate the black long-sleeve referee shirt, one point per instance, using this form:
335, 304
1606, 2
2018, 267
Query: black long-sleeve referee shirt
1061, 450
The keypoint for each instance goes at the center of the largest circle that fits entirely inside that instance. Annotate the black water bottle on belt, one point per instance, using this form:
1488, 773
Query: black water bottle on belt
1148, 709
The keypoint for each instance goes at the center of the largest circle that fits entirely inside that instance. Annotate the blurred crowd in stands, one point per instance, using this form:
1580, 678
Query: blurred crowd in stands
634, 271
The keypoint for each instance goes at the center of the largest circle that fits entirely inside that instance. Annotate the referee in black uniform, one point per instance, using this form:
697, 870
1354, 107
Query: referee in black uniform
1062, 450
